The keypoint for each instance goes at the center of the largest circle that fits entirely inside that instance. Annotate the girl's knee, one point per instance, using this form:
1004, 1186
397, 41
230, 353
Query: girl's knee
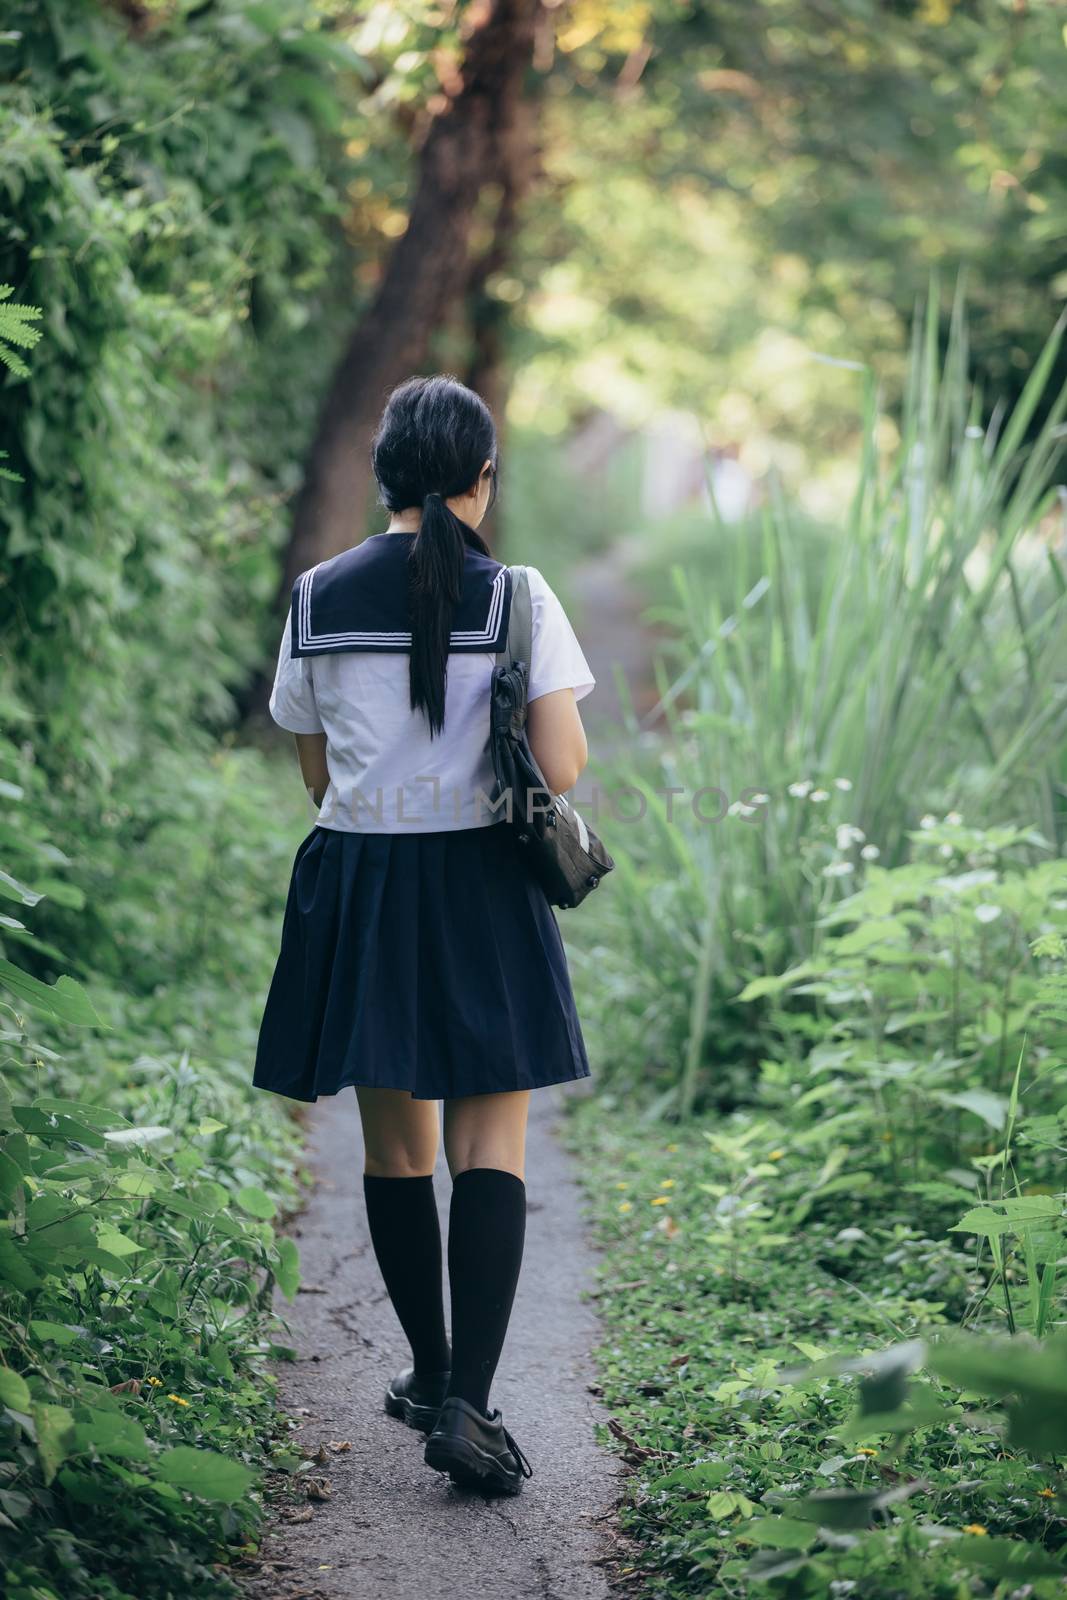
399, 1163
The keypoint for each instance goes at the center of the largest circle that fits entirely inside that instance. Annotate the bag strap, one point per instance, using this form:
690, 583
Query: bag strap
519, 643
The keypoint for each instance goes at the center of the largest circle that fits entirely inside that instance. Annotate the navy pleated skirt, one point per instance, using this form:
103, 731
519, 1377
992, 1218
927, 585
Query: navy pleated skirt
430, 962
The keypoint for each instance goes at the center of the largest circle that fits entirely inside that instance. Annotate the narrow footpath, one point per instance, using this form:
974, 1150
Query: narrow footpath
377, 1523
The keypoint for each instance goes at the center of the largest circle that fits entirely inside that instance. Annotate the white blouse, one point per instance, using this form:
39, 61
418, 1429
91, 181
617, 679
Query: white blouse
386, 774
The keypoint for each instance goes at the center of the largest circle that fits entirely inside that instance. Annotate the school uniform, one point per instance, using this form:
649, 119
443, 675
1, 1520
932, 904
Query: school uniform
417, 952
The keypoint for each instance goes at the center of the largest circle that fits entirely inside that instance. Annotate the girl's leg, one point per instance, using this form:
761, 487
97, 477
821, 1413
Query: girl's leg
485, 1143
400, 1137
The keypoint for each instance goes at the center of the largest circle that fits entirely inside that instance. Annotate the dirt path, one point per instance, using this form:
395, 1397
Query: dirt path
391, 1528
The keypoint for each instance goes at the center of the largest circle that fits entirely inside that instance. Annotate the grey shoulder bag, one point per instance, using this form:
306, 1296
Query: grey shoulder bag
564, 853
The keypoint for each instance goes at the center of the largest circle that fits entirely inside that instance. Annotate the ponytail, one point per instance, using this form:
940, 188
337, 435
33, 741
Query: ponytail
434, 436
435, 568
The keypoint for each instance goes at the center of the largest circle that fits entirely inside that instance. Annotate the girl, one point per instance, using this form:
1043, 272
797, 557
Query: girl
419, 961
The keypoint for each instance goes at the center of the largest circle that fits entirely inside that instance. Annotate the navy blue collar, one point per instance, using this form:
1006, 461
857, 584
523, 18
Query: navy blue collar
358, 600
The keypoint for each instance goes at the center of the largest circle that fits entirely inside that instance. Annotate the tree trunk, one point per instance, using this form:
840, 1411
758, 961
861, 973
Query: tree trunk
487, 314
481, 139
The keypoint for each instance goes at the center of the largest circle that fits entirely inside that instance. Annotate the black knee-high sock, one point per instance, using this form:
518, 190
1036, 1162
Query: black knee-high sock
406, 1235
486, 1234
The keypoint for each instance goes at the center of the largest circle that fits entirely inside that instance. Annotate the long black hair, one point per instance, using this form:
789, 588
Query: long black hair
433, 439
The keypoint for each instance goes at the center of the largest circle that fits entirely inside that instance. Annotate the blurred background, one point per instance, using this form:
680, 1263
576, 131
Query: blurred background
767, 299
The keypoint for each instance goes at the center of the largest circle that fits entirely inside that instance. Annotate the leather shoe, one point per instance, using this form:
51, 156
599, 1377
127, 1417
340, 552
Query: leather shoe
476, 1450
416, 1400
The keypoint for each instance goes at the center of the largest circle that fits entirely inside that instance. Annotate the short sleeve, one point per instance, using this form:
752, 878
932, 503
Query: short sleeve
558, 661
292, 700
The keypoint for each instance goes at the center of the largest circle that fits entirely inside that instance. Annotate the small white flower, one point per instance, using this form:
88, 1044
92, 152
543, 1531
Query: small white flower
801, 790
946, 850
928, 821
739, 809
953, 819
870, 852
986, 912
843, 783
817, 796
837, 869
760, 799
973, 431
848, 835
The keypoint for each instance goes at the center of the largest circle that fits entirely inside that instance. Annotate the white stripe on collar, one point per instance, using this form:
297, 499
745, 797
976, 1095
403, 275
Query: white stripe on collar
467, 636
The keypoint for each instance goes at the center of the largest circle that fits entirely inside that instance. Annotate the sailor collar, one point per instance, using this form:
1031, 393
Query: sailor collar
358, 600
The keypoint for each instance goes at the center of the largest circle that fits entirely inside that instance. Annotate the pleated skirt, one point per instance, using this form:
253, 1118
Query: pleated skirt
430, 962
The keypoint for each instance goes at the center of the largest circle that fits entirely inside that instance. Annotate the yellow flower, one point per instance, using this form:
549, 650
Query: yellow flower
865, 1450
1047, 1494
887, 1136
975, 1527
667, 1183
157, 1383
178, 1401
776, 1155
672, 1148
661, 1200
622, 1186
626, 1205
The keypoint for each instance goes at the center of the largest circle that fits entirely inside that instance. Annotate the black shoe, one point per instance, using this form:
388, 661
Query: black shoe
416, 1400
476, 1451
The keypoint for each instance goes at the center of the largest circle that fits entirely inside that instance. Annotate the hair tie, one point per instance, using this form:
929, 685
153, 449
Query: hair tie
431, 494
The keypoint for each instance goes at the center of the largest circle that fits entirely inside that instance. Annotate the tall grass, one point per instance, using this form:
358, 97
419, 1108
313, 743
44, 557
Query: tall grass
926, 672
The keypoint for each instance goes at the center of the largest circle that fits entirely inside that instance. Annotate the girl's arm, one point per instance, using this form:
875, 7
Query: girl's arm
557, 738
311, 752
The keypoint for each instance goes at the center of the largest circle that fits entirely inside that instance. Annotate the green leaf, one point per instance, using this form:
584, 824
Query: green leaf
780, 1533
54, 1331
112, 1433
287, 1270
698, 1475
81, 1111
1006, 1558
15, 1267
725, 1502
205, 1474
115, 1243
13, 890
256, 1202
138, 1184
992, 1108
1038, 1423
839, 1508
1001, 1366
64, 999
146, 1135
55, 1436
85, 1489
12, 1181
14, 1391
1013, 1216
219, 1359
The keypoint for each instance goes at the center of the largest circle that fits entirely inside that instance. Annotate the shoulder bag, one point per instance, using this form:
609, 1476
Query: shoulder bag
565, 855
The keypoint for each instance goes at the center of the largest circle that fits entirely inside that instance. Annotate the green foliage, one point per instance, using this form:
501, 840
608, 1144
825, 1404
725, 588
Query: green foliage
923, 991
807, 1304
733, 189
17, 327
173, 204
801, 728
140, 1181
